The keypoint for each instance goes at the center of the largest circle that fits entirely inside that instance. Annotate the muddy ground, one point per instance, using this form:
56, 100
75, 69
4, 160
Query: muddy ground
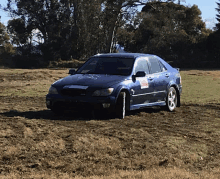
34, 140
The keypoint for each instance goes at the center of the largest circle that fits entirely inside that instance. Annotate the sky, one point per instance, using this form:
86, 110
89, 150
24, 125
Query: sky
207, 8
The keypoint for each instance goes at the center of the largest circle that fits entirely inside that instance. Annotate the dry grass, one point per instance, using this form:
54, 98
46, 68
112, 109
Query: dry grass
148, 143
201, 87
21, 82
161, 173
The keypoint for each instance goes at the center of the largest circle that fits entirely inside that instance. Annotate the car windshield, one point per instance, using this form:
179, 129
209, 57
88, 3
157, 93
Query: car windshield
107, 65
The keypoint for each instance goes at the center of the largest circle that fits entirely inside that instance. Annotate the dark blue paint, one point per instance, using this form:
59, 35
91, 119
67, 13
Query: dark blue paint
154, 94
91, 80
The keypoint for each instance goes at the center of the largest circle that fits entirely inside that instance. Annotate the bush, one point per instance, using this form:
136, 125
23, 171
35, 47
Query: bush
65, 64
20, 61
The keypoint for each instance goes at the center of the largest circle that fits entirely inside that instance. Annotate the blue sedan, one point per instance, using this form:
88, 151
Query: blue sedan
117, 82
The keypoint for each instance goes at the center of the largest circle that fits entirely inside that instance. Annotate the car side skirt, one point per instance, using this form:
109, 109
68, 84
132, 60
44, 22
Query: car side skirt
150, 93
138, 106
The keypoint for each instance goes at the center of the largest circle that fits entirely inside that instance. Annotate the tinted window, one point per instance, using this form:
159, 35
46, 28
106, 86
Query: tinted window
155, 66
141, 65
162, 66
108, 65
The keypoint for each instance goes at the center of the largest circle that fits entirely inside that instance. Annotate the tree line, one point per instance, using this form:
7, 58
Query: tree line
51, 30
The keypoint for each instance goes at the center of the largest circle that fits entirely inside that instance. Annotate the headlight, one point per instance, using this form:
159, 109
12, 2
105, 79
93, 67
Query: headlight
103, 92
52, 90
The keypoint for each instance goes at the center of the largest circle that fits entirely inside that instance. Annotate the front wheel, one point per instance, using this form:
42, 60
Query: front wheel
57, 111
121, 105
171, 102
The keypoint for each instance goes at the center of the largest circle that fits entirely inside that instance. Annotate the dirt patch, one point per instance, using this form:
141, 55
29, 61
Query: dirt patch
145, 139
212, 73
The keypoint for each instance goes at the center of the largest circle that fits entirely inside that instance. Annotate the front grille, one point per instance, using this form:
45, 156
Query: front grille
73, 92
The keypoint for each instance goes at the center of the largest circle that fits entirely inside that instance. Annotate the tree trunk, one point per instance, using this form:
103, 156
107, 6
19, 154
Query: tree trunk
111, 27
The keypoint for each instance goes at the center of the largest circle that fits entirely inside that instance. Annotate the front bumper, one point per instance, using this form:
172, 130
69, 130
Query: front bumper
60, 101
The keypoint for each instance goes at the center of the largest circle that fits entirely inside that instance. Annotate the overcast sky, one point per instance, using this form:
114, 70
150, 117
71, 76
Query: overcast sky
207, 8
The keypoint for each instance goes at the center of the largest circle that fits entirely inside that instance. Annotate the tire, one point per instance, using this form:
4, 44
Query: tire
57, 109
58, 112
172, 99
121, 105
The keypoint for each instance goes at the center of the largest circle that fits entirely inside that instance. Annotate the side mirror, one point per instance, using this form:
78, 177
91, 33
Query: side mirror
140, 74
72, 71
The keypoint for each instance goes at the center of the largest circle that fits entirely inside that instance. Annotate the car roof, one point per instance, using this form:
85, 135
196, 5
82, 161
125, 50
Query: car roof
133, 55
123, 55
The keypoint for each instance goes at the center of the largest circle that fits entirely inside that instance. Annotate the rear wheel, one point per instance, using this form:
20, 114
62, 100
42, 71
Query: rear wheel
172, 98
121, 105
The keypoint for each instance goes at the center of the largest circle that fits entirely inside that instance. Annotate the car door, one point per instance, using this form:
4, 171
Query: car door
144, 86
161, 79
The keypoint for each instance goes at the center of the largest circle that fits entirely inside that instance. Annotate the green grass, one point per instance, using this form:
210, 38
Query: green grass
200, 89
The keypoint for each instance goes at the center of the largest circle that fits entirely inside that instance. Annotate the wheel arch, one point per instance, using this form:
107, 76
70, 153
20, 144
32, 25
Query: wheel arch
127, 99
178, 94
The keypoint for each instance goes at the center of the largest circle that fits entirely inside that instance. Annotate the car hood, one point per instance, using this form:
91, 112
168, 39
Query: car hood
91, 80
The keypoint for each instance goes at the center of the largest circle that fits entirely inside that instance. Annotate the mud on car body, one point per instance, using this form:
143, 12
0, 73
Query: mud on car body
118, 82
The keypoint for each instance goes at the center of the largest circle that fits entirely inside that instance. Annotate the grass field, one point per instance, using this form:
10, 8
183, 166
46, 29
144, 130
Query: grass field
148, 143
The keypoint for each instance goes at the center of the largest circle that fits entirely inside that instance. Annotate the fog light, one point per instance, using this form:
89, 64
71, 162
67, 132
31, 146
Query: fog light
105, 105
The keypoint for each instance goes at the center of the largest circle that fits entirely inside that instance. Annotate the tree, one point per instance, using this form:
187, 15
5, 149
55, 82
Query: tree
218, 16
169, 30
18, 30
52, 18
116, 10
88, 19
77, 28
213, 41
6, 49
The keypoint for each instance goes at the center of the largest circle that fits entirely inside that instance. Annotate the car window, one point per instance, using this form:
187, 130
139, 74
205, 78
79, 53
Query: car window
141, 65
162, 66
155, 66
90, 66
108, 65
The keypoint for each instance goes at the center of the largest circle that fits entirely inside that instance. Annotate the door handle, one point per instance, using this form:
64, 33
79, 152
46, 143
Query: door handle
167, 75
150, 78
